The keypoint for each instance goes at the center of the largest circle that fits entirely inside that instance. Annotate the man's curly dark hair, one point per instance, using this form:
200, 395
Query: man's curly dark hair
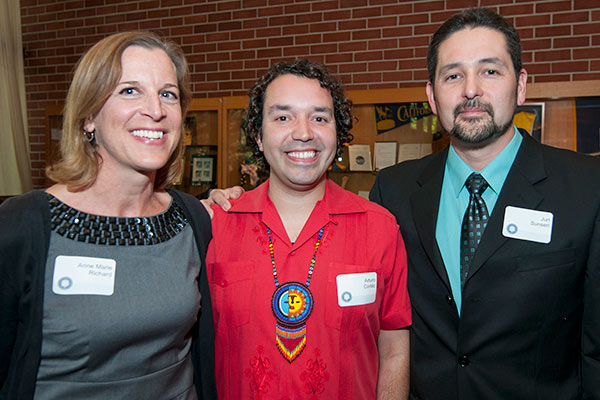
342, 106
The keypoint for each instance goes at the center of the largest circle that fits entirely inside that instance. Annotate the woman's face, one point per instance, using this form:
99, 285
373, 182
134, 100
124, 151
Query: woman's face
139, 126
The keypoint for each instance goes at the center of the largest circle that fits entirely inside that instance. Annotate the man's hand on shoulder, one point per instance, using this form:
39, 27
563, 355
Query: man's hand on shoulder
221, 198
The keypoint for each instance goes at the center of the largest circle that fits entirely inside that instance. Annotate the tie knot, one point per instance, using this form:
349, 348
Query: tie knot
476, 184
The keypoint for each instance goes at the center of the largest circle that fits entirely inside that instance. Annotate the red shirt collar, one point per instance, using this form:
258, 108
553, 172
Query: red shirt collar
335, 201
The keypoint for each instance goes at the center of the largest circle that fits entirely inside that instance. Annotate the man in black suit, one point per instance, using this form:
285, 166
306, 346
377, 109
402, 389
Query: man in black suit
502, 235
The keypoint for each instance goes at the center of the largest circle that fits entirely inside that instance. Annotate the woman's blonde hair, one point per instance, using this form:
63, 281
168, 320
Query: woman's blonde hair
96, 75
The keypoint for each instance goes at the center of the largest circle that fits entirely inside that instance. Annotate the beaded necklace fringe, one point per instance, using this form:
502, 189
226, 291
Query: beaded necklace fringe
292, 304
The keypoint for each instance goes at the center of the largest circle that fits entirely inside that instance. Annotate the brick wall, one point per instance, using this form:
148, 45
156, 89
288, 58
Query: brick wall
369, 44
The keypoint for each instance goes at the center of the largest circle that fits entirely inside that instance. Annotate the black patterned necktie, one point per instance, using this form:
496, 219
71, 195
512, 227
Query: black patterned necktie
474, 222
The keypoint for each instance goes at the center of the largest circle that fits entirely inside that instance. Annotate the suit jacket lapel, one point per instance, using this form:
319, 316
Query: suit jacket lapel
518, 191
424, 205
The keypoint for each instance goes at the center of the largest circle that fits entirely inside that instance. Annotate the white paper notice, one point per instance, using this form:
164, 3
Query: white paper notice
385, 154
413, 151
364, 193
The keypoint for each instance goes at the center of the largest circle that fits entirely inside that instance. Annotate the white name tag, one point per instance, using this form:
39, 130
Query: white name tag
84, 275
525, 224
356, 289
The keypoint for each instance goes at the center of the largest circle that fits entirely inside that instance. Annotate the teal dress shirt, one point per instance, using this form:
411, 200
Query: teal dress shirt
454, 200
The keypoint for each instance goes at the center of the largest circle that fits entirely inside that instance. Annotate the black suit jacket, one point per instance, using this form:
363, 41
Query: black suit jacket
530, 318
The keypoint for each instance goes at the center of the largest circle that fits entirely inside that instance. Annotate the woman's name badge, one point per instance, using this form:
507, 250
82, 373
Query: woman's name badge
525, 224
84, 275
356, 289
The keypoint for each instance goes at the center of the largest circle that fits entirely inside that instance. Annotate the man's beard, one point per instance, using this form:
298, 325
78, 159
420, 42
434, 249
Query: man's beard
483, 132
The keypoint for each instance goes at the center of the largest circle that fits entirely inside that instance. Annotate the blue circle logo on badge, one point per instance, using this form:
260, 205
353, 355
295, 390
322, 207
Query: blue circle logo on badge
512, 229
65, 283
292, 303
346, 296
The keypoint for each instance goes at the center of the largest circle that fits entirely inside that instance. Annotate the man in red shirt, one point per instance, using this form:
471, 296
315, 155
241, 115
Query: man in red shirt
308, 281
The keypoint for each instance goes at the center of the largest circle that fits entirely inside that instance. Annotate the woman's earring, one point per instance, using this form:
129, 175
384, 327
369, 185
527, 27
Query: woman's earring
89, 136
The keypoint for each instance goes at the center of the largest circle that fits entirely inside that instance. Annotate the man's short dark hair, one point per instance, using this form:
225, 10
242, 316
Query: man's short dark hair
474, 18
342, 106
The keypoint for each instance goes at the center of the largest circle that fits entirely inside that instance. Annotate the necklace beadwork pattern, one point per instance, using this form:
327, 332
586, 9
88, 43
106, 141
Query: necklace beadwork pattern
291, 304
312, 262
115, 231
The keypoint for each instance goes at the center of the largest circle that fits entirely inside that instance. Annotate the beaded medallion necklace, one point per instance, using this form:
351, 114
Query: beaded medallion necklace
292, 304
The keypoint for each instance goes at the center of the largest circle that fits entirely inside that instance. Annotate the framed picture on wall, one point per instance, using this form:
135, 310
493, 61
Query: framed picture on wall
203, 169
530, 116
360, 157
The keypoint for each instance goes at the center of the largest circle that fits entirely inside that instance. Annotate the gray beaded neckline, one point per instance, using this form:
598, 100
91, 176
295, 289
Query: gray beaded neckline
115, 231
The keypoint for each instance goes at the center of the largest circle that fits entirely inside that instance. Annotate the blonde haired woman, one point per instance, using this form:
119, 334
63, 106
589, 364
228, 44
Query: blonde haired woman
103, 291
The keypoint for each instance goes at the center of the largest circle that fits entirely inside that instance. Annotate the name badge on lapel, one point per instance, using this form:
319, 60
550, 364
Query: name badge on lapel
356, 289
525, 224
84, 275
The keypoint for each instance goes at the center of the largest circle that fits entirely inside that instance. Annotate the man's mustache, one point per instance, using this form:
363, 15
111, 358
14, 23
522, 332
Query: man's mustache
474, 103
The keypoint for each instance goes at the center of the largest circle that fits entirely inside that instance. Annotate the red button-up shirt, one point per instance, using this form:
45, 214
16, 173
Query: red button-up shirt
340, 360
